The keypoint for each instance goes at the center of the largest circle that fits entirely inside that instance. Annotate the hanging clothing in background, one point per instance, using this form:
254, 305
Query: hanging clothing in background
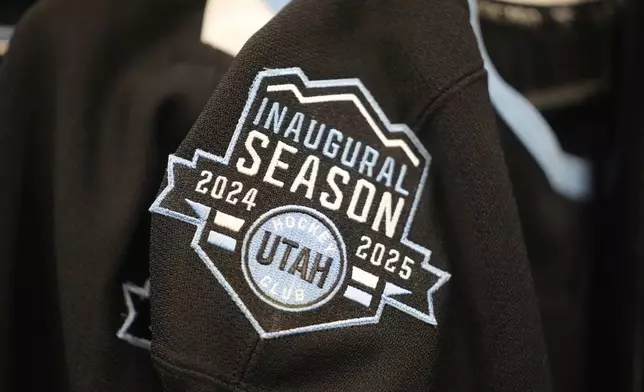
10, 13
558, 55
94, 95
618, 300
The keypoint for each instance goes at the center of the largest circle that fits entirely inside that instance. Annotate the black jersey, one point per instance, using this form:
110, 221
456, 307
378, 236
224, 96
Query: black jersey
93, 97
340, 217
558, 55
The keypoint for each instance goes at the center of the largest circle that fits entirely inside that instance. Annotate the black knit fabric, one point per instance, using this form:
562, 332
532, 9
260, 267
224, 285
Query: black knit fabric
420, 63
93, 96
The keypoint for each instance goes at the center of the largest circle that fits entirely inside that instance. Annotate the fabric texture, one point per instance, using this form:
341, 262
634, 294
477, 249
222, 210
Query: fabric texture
419, 61
93, 96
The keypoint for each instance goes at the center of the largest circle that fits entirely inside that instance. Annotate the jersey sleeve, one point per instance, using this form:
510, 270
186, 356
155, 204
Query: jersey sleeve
340, 217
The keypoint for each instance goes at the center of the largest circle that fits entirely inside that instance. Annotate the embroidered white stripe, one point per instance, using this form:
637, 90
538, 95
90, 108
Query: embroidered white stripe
222, 240
228, 221
358, 295
366, 278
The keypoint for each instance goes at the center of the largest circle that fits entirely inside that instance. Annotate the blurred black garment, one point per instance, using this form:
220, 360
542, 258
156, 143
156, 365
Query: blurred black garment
559, 56
93, 97
557, 53
558, 234
12, 10
617, 330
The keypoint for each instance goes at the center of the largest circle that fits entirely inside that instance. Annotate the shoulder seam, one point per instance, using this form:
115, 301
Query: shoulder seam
447, 91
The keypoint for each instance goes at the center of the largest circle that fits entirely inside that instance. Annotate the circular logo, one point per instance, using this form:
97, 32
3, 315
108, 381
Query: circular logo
294, 258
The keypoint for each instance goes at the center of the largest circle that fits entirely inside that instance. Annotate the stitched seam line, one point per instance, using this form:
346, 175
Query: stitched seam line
176, 369
247, 366
426, 114
447, 91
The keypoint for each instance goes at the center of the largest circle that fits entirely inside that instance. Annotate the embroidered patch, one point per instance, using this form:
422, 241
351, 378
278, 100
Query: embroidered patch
307, 280
136, 327
306, 220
